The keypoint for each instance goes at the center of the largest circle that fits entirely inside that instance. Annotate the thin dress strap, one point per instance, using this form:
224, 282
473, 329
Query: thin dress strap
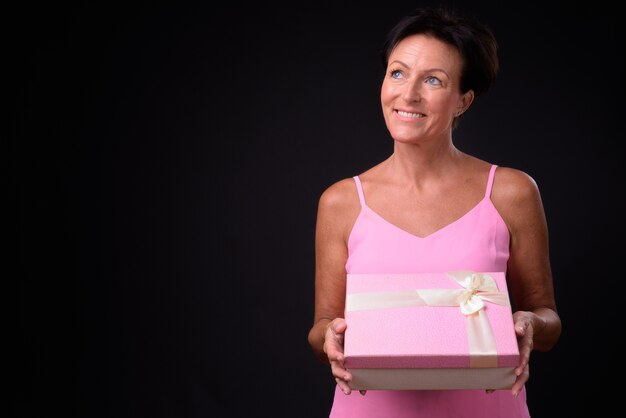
359, 189
492, 173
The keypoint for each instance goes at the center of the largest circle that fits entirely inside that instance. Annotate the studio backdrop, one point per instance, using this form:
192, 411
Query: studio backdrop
165, 161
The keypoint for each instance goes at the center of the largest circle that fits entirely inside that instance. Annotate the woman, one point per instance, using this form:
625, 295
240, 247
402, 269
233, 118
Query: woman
418, 206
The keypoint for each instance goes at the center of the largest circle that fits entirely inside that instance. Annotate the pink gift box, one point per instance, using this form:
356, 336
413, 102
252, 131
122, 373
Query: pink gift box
430, 331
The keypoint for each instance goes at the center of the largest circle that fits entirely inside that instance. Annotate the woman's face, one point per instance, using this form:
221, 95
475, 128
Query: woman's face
421, 93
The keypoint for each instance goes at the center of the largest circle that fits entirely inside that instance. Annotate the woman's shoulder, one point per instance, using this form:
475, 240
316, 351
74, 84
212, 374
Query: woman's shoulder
513, 181
340, 194
514, 190
339, 206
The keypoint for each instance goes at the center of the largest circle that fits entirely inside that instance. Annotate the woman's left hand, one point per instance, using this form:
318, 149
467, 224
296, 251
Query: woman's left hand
524, 329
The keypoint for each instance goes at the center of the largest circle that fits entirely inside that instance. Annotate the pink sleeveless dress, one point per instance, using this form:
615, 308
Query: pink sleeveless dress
478, 241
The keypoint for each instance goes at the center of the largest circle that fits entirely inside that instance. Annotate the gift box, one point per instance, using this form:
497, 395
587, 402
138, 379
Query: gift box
430, 331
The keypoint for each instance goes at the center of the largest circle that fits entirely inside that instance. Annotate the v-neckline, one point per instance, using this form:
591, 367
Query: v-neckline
432, 234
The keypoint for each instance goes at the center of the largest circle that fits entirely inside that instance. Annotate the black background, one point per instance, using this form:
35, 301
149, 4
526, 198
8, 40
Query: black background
165, 160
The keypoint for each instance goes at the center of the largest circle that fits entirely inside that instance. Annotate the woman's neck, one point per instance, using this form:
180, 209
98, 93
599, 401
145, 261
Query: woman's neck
421, 163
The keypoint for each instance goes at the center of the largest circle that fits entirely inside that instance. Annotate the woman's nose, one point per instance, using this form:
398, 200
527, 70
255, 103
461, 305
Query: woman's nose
412, 91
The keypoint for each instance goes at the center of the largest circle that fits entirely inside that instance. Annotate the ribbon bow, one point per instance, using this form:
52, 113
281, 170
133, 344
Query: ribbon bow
479, 287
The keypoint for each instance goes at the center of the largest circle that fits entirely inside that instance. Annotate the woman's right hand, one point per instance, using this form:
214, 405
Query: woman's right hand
333, 347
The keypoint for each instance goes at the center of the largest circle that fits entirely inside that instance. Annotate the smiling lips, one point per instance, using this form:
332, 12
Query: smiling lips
411, 115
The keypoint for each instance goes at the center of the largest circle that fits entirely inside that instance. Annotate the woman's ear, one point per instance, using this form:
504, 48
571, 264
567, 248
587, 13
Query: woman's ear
466, 101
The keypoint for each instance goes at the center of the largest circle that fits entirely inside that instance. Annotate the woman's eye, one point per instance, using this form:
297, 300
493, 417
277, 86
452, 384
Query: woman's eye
396, 74
434, 81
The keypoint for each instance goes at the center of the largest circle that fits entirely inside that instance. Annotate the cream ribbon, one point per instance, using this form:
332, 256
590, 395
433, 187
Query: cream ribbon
476, 289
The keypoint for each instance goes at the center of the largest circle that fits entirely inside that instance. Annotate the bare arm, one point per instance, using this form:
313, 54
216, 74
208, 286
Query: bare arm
537, 324
336, 213
338, 207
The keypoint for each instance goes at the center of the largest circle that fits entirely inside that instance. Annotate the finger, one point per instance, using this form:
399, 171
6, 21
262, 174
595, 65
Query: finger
343, 385
520, 381
333, 351
525, 349
339, 371
339, 326
333, 340
524, 332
